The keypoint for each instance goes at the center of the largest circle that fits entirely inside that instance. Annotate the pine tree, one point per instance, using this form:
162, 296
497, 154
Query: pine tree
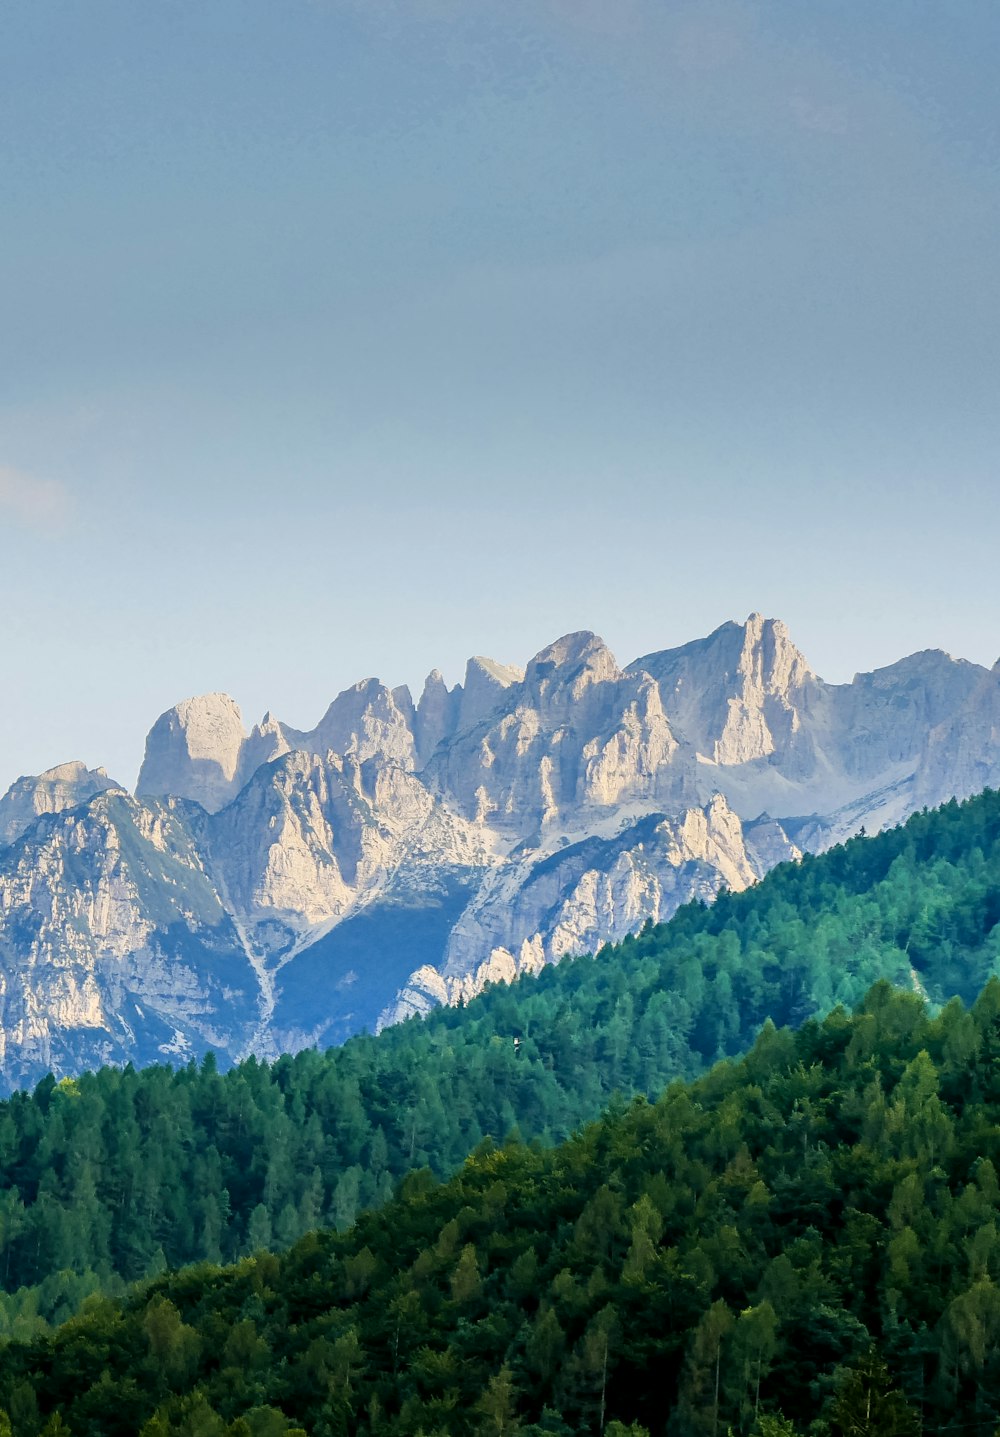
867, 1405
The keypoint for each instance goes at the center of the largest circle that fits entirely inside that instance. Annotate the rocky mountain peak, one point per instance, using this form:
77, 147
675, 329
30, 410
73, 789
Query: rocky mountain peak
436, 715
961, 755
483, 669
575, 662
209, 722
267, 741
486, 683
443, 712
434, 694
734, 696
496, 826
575, 733
770, 658
268, 725
193, 751
364, 720
72, 772
63, 787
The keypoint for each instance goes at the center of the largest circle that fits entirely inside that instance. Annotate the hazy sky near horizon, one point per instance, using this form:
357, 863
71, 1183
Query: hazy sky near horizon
350, 337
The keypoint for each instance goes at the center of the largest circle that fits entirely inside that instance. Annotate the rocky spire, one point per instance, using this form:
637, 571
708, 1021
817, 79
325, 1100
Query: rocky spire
733, 695
486, 685
365, 720
193, 751
437, 714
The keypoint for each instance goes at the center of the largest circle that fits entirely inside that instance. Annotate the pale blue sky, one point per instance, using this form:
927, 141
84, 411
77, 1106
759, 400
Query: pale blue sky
357, 336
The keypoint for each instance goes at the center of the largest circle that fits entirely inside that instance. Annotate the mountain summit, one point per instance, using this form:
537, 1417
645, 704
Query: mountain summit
271, 888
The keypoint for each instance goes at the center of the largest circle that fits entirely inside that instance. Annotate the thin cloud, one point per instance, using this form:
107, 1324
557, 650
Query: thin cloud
41, 503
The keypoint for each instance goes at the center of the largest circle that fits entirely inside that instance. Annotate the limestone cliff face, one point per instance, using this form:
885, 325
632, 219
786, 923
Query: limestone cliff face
541, 906
483, 690
960, 756
114, 944
66, 786
885, 718
310, 839
267, 741
278, 887
739, 695
436, 715
575, 734
193, 751
363, 721
200, 749
759, 726
443, 712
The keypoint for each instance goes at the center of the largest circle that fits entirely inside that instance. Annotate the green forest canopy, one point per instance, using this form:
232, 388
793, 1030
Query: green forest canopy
116, 1175
804, 1236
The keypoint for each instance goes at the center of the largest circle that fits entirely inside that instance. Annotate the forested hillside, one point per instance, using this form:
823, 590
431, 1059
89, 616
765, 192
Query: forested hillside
809, 1234
120, 1174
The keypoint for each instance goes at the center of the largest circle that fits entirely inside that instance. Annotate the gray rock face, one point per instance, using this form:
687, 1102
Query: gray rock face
741, 694
437, 715
575, 734
201, 750
57, 789
194, 750
961, 754
366, 720
114, 944
482, 693
310, 839
544, 905
276, 887
443, 712
764, 730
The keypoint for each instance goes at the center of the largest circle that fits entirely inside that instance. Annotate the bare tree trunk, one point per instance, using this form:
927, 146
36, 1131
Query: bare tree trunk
756, 1398
604, 1384
715, 1408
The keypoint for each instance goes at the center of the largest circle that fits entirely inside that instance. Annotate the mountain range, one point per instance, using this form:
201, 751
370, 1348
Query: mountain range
269, 889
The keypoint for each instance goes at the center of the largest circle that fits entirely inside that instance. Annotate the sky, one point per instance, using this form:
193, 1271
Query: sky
352, 337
